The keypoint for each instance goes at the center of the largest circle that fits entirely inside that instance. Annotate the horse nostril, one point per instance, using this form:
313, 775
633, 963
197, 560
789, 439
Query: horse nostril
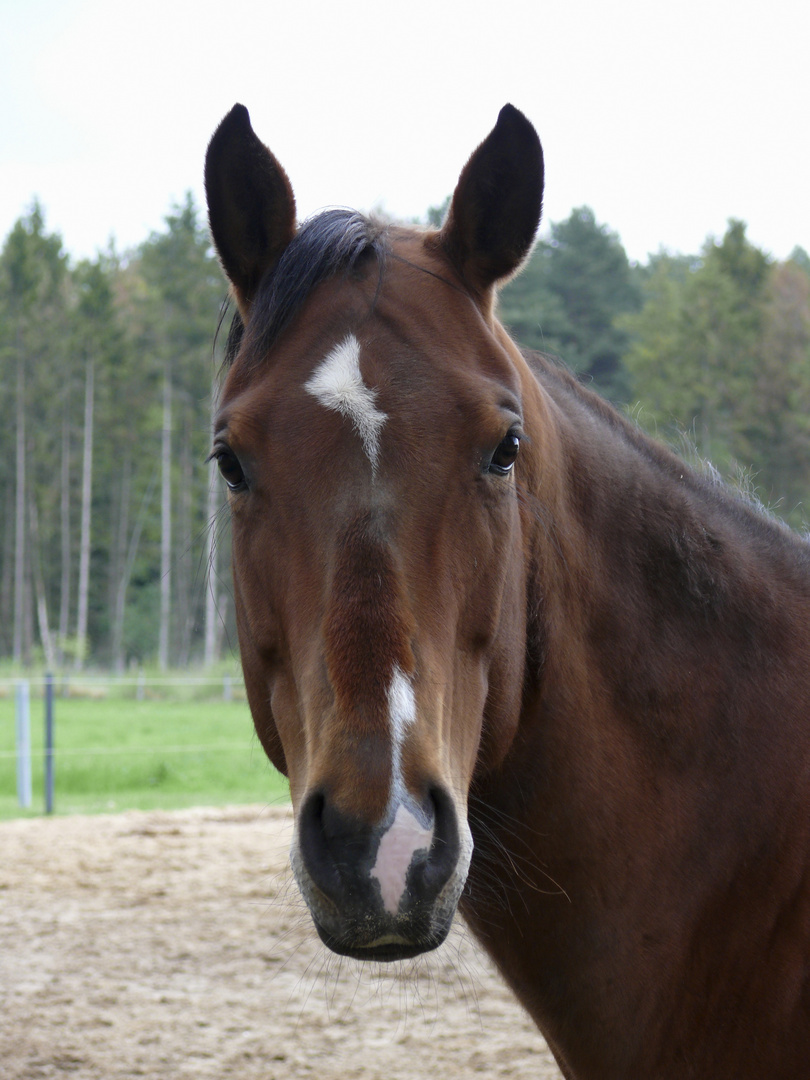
332, 844
440, 865
313, 844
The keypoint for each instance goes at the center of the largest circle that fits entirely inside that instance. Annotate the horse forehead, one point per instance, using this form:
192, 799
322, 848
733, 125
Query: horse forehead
338, 384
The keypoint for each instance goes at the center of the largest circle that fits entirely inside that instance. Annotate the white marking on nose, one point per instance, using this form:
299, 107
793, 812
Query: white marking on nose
338, 384
402, 713
400, 842
405, 836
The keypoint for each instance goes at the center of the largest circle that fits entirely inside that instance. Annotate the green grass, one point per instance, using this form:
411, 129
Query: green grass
120, 754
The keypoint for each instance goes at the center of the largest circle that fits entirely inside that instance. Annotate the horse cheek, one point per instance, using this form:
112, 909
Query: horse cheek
257, 662
505, 678
259, 698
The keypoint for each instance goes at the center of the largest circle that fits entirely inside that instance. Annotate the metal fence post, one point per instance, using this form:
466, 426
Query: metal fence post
23, 710
49, 743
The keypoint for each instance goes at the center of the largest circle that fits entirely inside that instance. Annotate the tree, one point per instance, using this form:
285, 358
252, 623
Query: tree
720, 349
34, 296
107, 369
780, 420
800, 258
87, 494
184, 288
695, 342
567, 300
436, 214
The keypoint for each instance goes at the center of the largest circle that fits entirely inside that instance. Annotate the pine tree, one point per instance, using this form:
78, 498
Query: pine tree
567, 300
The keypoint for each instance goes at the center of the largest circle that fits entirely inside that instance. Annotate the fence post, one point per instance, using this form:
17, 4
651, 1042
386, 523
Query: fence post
23, 711
49, 743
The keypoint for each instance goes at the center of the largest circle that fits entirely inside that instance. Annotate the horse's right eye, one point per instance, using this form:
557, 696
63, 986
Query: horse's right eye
504, 457
230, 469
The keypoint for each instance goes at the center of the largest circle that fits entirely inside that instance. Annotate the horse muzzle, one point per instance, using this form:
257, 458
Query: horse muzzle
387, 891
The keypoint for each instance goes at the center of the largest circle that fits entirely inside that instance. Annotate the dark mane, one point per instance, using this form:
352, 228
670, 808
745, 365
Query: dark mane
333, 242
695, 477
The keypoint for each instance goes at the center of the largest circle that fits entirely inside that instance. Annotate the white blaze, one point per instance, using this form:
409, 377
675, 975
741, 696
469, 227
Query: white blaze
402, 713
401, 841
405, 836
338, 384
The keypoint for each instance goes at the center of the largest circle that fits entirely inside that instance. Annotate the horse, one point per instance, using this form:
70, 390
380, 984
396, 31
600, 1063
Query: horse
514, 656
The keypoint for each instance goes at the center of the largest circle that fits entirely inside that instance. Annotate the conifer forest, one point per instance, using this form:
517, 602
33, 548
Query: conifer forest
114, 537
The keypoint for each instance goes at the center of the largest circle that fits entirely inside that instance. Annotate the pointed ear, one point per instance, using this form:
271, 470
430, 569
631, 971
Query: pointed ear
251, 207
497, 203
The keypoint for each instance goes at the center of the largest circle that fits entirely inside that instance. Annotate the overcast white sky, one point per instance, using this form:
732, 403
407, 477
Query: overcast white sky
666, 118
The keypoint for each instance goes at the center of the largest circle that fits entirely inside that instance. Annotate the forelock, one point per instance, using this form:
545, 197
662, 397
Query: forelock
333, 242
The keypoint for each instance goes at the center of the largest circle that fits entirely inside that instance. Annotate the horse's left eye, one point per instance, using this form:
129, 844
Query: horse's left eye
504, 457
230, 469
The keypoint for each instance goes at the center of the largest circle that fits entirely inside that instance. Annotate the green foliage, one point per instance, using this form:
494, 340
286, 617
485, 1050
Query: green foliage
34, 267
569, 296
716, 344
800, 258
436, 214
721, 347
183, 285
133, 318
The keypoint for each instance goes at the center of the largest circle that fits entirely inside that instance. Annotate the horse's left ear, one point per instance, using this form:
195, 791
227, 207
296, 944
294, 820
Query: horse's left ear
251, 207
497, 203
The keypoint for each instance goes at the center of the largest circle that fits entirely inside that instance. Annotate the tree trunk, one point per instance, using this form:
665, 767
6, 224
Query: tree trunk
45, 635
19, 506
64, 595
84, 543
123, 583
118, 561
165, 526
28, 612
183, 598
7, 585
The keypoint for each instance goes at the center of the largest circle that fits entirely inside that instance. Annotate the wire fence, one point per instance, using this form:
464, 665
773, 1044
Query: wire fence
71, 684
112, 741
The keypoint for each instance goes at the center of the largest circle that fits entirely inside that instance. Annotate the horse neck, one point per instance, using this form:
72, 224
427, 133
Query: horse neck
659, 592
660, 750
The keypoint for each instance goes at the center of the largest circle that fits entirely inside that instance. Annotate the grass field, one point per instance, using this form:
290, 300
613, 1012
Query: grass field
119, 753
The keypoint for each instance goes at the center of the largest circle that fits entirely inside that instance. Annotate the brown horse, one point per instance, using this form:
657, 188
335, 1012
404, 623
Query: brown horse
513, 656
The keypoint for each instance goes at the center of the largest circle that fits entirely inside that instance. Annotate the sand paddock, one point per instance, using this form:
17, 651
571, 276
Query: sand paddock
174, 945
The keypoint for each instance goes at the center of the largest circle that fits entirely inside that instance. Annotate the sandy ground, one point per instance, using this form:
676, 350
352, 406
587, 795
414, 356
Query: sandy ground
175, 945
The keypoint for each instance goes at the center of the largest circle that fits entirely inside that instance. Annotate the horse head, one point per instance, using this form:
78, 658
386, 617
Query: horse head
369, 429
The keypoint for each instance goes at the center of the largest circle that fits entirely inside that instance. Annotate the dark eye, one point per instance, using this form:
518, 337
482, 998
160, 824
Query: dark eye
504, 457
230, 469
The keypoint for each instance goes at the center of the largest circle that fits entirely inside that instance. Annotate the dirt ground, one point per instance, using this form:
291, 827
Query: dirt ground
175, 945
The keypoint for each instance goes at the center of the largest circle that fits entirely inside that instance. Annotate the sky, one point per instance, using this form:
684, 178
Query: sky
666, 119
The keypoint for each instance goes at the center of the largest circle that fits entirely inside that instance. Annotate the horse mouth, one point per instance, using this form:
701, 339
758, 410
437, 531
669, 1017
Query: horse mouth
382, 950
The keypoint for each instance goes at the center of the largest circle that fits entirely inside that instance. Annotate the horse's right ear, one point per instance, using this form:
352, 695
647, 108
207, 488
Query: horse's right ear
251, 207
496, 207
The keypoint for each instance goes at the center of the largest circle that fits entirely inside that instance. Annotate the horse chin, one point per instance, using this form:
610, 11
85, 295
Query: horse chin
385, 949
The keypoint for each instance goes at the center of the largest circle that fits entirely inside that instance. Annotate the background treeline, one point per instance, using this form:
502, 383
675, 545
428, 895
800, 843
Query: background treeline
711, 350
107, 550
113, 539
